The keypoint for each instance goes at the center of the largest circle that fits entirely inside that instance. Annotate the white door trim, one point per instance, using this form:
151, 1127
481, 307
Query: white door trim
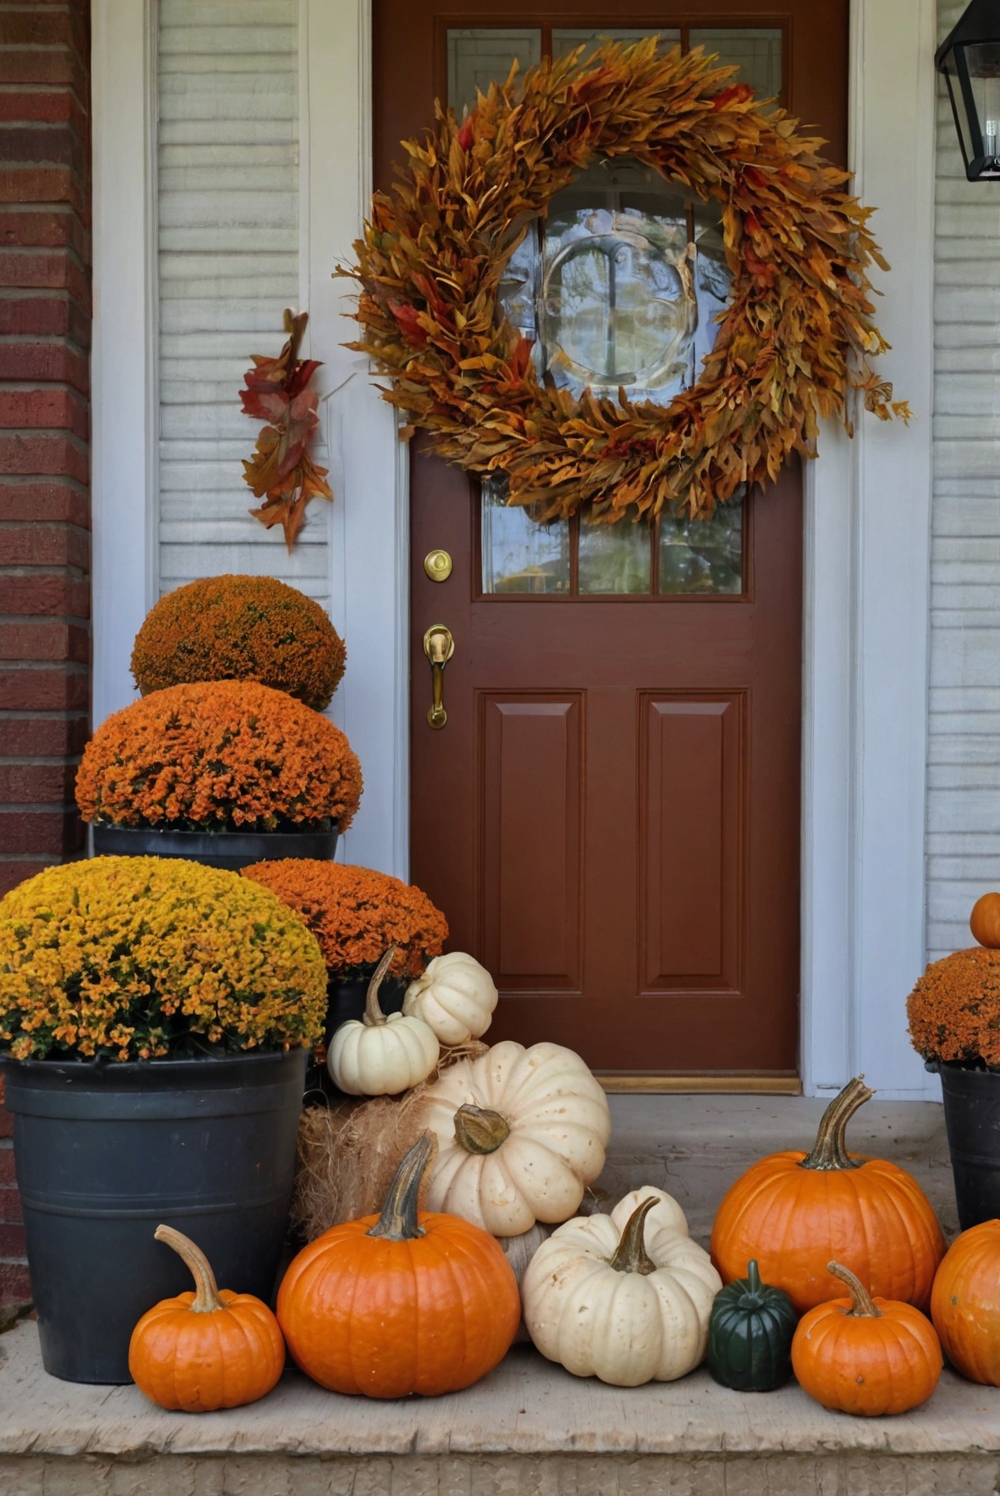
867, 505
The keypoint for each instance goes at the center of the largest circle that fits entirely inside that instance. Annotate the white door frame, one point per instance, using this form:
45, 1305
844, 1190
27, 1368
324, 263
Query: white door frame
867, 505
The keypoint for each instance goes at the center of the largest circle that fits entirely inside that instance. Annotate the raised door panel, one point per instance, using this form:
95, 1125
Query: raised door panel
531, 801
691, 836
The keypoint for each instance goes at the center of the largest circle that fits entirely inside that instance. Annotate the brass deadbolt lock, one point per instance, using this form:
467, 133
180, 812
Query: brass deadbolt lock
438, 565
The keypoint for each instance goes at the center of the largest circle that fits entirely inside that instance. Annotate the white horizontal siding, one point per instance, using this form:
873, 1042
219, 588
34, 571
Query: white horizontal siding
963, 810
228, 239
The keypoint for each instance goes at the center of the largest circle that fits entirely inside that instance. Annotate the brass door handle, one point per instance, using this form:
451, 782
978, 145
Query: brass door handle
439, 646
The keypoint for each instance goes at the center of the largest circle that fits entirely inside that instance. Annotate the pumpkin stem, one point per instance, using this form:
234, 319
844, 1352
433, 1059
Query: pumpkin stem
373, 1015
753, 1279
479, 1129
862, 1303
398, 1221
830, 1150
206, 1299
631, 1256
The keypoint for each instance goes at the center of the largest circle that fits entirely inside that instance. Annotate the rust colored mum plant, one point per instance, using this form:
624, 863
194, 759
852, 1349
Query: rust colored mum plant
356, 914
135, 958
219, 756
240, 628
954, 1009
792, 347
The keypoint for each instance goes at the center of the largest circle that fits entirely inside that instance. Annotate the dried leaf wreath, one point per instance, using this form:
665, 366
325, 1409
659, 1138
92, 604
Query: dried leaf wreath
281, 472
793, 342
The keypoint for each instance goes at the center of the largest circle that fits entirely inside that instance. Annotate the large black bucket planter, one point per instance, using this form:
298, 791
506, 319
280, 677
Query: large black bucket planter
972, 1117
229, 849
105, 1152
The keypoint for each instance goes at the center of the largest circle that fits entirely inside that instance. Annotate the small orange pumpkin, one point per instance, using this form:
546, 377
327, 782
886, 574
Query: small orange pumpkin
401, 1302
866, 1356
965, 1305
205, 1350
793, 1211
985, 921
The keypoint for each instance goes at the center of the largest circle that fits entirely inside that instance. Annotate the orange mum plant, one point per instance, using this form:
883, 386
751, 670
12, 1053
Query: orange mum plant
356, 914
240, 628
219, 756
954, 1009
134, 958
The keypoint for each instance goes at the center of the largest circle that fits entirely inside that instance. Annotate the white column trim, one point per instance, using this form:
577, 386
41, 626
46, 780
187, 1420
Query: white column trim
370, 532
868, 607
123, 357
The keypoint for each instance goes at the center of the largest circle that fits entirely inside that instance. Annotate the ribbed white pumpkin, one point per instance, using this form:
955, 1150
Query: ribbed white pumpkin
455, 997
381, 1056
621, 1297
521, 1132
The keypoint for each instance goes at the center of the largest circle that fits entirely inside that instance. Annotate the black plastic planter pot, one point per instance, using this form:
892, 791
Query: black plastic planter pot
347, 1000
229, 849
105, 1152
972, 1117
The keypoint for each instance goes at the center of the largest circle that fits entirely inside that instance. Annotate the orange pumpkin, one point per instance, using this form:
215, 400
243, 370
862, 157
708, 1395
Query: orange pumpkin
794, 1211
401, 1302
864, 1355
985, 920
208, 1349
965, 1303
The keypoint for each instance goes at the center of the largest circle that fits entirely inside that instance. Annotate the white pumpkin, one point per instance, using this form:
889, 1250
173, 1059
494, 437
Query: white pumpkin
621, 1297
455, 997
381, 1056
520, 1131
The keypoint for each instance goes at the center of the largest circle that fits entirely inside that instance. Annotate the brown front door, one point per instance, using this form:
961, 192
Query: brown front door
610, 817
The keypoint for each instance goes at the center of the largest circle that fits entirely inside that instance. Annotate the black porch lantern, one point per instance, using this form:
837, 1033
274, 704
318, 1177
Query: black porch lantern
970, 61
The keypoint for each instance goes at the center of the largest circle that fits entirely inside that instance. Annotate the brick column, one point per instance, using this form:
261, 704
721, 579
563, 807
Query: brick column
44, 462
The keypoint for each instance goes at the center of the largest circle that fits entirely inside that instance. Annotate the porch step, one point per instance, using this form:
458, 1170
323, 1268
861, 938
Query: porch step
697, 1146
530, 1428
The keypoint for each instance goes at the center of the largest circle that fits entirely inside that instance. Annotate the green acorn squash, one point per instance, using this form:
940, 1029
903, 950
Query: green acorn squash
750, 1335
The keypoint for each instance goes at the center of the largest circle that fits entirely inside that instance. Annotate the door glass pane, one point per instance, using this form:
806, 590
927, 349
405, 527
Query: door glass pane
520, 555
702, 555
614, 558
756, 51
617, 304
566, 39
481, 55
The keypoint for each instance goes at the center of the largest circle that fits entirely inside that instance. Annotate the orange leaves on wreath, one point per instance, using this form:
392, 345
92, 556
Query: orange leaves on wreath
281, 471
792, 347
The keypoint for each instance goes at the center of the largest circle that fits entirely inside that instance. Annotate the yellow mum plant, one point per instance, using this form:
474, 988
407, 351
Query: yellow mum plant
135, 958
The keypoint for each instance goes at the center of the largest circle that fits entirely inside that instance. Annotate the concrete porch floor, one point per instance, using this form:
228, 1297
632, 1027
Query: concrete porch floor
530, 1427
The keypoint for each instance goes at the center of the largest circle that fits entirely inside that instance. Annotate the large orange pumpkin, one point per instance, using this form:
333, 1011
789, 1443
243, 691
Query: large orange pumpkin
985, 920
401, 1302
205, 1350
792, 1212
864, 1355
965, 1303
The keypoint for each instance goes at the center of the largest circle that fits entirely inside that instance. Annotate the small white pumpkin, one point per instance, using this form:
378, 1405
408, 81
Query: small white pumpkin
621, 1297
455, 997
520, 1131
381, 1056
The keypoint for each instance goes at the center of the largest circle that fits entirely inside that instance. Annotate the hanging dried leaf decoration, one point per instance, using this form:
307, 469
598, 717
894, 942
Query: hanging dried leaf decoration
281, 471
793, 344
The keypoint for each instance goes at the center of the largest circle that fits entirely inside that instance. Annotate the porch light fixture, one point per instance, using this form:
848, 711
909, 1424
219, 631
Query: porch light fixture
969, 58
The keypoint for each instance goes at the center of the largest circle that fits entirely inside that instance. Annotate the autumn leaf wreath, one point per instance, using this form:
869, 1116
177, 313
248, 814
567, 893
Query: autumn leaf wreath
793, 343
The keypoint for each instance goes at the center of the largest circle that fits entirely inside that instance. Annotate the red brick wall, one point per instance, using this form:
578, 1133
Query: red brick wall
44, 462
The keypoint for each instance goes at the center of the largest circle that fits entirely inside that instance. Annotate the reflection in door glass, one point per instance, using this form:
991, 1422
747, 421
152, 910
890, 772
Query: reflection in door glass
619, 302
755, 50
520, 555
614, 558
702, 555
481, 55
